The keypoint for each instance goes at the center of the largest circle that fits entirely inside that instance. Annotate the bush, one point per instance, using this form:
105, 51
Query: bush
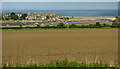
20, 26
91, 26
98, 25
61, 24
38, 26
72, 26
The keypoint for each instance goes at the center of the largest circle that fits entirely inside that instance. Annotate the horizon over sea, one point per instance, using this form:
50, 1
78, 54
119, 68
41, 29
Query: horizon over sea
85, 13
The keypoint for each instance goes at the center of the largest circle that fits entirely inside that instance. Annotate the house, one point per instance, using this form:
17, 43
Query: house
34, 16
5, 15
29, 16
42, 16
19, 15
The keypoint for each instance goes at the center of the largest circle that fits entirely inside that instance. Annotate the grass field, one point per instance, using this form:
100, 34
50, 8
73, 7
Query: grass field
87, 45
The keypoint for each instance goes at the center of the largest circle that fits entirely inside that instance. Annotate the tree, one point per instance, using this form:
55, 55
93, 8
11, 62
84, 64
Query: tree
2, 18
72, 26
38, 26
114, 24
116, 16
12, 13
14, 17
104, 24
24, 16
47, 17
67, 18
117, 19
97, 25
61, 25
20, 26
91, 26
6, 18
47, 26
61, 18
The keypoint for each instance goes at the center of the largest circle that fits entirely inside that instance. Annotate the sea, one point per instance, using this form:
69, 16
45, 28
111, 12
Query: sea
84, 13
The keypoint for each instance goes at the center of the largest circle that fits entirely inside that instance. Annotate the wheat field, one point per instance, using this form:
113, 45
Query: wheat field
87, 45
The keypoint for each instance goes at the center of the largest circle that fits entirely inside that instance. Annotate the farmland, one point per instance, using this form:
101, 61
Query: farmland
36, 46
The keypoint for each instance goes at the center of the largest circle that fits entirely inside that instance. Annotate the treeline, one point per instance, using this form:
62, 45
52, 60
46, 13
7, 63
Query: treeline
62, 25
13, 16
97, 25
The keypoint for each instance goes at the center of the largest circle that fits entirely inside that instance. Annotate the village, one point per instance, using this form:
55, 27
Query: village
29, 16
49, 19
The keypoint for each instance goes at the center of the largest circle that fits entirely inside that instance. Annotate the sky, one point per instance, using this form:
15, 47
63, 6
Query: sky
60, 0
59, 5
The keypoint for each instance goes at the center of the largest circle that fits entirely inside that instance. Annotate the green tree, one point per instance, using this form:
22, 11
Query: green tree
114, 24
91, 26
98, 25
72, 26
2, 18
47, 26
104, 25
117, 19
12, 13
6, 18
47, 17
24, 16
67, 18
14, 17
116, 16
61, 24
38, 26
20, 26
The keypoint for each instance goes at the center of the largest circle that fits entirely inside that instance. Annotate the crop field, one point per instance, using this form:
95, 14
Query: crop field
89, 45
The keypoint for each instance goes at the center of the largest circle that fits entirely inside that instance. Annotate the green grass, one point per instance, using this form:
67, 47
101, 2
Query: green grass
53, 29
62, 63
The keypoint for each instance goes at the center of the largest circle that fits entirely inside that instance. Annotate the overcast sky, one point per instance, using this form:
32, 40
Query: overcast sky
60, 0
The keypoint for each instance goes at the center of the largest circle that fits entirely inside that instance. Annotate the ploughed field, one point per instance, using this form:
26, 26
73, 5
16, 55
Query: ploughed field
87, 45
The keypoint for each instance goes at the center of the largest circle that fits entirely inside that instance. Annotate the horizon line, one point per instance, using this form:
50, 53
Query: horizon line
57, 9
59, 1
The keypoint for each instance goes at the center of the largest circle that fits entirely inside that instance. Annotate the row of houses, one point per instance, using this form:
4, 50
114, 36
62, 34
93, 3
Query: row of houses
42, 16
35, 16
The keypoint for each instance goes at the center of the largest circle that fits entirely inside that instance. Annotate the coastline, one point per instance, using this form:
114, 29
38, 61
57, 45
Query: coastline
74, 17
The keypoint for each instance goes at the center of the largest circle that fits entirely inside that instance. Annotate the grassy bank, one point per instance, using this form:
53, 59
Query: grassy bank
63, 63
62, 26
24, 29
